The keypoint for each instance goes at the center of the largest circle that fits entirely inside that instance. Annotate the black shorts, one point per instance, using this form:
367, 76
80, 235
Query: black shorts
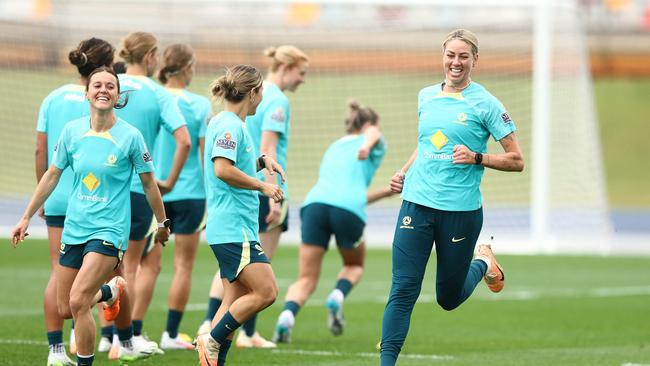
319, 221
187, 216
264, 210
54, 221
142, 219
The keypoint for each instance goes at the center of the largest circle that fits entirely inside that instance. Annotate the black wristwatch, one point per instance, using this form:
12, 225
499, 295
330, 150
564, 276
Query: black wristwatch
478, 158
165, 224
261, 162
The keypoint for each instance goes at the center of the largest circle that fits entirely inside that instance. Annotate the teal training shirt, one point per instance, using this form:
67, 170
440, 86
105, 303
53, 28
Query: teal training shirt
150, 106
99, 206
445, 120
61, 106
343, 179
273, 114
196, 110
232, 212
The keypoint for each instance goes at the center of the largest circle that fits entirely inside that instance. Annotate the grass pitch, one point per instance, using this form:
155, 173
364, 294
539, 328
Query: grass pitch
554, 311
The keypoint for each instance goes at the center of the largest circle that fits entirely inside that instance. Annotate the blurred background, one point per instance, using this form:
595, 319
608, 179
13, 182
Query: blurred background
574, 75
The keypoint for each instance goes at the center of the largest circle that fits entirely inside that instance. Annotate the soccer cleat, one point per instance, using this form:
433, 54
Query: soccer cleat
335, 320
114, 352
494, 276
167, 342
73, 344
137, 351
144, 343
112, 305
208, 350
205, 327
283, 328
59, 358
104, 345
256, 341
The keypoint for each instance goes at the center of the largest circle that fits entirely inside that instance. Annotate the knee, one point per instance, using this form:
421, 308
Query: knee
267, 295
153, 267
64, 309
77, 304
447, 303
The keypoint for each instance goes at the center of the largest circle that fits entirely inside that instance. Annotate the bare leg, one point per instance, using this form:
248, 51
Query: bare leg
309, 267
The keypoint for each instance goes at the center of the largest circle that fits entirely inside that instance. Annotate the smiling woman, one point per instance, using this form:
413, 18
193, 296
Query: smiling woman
102, 151
442, 202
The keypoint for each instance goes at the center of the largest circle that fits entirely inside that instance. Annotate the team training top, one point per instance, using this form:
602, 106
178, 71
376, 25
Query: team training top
196, 110
343, 179
273, 114
232, 212
103, 162
447, 119
58, 108
150, 106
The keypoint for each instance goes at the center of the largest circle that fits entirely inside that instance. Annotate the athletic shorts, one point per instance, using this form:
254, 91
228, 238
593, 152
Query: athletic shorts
320, 221
264, 210
72, 255
142, 219
234, 257
54, 221
187, 216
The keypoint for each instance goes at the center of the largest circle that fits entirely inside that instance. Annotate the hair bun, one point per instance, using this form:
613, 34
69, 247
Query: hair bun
354, 105
270, 51
77, 58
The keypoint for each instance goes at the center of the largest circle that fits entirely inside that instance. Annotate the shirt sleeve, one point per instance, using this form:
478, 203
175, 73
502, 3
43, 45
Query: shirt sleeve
228, 140
276, 118
140, 156
170, 114
41, 125
378, 151
61, 158
497, 120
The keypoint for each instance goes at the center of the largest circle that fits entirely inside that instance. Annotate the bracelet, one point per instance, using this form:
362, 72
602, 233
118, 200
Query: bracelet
261, 162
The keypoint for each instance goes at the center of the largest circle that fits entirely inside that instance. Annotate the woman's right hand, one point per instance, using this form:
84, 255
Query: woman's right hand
272, 191
397, 182
19, 232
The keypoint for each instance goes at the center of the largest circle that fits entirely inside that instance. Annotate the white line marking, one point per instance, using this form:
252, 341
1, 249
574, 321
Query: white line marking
635, 364
23, 341
362, 354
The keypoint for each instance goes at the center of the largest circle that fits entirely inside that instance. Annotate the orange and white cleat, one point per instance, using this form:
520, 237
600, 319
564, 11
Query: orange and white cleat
256, 341
494, 277
208, 350
112, 305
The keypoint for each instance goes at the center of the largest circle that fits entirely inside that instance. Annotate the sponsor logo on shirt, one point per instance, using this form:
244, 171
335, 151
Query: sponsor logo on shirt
461, 119
439, 140
406, 223
442, 156
91, 182
226, 142
146, 157
111, 160
505, 117
278, 115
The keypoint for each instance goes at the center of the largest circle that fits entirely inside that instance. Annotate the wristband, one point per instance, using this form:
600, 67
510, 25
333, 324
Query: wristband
261, 162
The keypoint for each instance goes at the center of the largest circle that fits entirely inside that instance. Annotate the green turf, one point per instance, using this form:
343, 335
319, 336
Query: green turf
554, 311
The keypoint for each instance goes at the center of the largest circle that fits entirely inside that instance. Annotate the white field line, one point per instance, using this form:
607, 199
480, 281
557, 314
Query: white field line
23, 341
413, 356
635, 364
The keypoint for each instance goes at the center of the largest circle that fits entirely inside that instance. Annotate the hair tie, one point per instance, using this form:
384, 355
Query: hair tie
84, 59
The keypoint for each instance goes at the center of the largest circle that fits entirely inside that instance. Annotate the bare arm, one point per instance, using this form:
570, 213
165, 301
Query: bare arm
201, 149
41, 155
376, 195
511, 160
397, 181
269, 147
227, 172
409, 162
183, 144
372, 135
154, 198
45, 186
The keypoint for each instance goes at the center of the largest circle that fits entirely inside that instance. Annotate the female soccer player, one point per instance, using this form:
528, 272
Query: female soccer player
64, 104
151, 107
185, 204
337, 205
441, 198
102, 152
230, 167
269, 128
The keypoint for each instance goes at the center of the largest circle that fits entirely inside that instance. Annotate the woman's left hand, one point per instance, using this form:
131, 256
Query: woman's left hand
162, 235
164, 187
463, 155
272, 166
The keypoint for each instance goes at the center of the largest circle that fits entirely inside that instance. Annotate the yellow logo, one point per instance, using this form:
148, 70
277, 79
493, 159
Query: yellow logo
91, 182
406, 223
62, 248
439, 140
111, 160
461, 119
120, 255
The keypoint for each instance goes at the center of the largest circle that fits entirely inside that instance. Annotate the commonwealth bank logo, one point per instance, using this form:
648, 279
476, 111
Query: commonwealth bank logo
439, 140
91, 182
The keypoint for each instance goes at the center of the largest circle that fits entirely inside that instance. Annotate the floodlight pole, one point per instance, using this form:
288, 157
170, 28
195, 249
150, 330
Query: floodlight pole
542, 74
